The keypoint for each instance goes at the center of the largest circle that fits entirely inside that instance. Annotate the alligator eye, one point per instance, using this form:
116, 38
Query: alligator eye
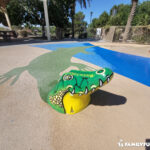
68, 77
100, 71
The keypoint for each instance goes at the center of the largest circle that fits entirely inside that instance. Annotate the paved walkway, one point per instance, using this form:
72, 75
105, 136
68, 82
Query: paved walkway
120, 110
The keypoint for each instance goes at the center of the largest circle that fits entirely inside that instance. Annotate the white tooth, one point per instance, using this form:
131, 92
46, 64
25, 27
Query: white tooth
81, 93
108, 79
93, 86
93, 89
73, 91
100, 83
86, 91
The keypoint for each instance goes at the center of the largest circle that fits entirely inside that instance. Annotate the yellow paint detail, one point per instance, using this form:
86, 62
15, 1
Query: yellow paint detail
83, 75
105, 83
75, 103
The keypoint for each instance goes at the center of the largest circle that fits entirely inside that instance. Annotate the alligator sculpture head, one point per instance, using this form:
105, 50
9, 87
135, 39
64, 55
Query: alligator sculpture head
77, 82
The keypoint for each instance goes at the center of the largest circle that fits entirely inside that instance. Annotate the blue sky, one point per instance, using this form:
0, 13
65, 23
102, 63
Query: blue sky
98, 6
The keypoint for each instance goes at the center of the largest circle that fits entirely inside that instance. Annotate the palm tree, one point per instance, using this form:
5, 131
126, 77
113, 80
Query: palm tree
91, 14
130, 18
3, 9
83, 4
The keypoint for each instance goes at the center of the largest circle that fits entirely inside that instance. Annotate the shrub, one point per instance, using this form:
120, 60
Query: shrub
91, 32
143, 39
23, 33
118, 33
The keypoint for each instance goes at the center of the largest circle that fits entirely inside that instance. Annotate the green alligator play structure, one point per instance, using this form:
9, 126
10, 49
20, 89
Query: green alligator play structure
72, 92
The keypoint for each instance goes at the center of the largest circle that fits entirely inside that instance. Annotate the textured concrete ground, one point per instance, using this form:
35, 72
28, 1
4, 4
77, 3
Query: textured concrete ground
120, 110
24, 118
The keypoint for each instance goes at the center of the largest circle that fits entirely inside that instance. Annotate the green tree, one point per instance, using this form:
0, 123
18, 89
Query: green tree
103, 19
95, 23
142, 14
80, 24
26, 12
59, 12
16, 12
119, 15
83, 3
31, 12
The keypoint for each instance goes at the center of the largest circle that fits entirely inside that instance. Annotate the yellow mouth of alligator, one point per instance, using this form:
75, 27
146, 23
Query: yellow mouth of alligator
75, 103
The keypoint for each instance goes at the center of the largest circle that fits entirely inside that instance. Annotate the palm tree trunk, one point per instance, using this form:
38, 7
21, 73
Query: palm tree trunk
130, 18
42, 22
72, 17
43, 31
7, 17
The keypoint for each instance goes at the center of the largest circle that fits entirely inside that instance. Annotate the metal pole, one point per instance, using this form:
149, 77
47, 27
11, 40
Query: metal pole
46, 19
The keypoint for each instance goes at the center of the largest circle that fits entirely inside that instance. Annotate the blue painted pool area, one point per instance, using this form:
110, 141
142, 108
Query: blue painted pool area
62, 45
134, 67
131, 66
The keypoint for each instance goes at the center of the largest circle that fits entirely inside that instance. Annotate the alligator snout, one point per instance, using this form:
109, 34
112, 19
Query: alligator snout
79, 82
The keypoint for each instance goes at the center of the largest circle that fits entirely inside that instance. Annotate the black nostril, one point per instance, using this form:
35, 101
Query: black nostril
100, 71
